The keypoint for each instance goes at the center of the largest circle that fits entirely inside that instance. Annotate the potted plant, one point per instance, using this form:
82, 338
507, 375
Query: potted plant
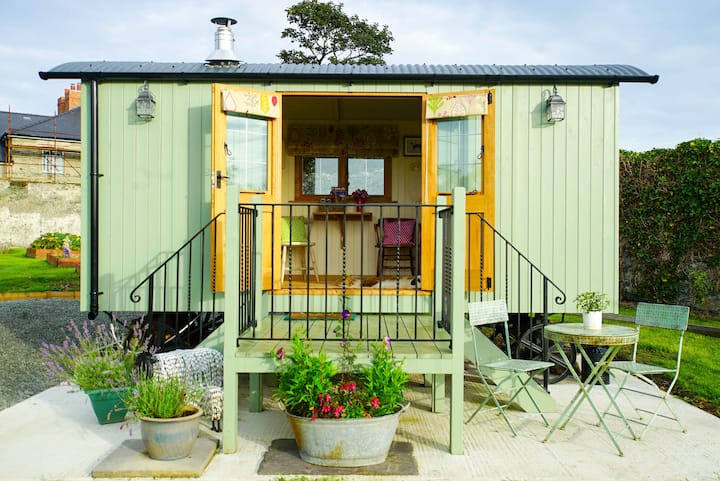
341, 414
591, 305
97, 360
360, 196
167, 410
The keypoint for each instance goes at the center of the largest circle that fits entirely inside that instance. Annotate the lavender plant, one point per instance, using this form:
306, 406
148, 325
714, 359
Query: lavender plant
94, 356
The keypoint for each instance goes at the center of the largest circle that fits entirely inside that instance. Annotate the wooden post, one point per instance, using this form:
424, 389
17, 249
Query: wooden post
231, 322
457, 322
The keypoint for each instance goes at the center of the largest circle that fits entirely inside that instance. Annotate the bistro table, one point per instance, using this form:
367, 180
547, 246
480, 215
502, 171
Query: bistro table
614, 337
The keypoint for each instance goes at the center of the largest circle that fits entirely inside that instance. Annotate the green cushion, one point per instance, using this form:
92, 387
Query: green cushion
299, 231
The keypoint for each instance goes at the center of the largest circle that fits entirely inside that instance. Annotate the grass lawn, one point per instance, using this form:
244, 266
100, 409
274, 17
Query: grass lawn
24, 274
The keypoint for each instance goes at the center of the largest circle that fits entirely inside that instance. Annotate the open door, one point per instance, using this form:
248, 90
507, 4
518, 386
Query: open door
245, 153
461, 143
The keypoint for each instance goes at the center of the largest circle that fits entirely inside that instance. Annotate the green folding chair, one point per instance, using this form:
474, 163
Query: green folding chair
508, 377
663, 316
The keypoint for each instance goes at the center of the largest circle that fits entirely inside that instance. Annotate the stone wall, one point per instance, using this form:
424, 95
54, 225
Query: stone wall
29, 209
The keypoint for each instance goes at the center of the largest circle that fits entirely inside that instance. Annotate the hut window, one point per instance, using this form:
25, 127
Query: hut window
459, 153
316, 176
246, 152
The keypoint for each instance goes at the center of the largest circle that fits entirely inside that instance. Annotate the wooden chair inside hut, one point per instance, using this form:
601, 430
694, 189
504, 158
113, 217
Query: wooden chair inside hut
395, 240
507, 377
673, 321
298, 252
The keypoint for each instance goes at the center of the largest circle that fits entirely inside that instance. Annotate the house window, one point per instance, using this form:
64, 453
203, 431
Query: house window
459, 156
246, 152
53, 162
316, 176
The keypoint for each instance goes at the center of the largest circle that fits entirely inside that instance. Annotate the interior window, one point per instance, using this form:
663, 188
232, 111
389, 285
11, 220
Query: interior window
246, 152
316, 176
459, 156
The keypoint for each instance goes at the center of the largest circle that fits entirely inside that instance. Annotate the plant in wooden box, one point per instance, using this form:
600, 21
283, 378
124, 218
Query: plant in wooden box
591, 305
98, 360
168, 414
341, 414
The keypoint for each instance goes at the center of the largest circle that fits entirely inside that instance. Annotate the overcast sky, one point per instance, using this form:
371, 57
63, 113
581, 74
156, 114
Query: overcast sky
676, 40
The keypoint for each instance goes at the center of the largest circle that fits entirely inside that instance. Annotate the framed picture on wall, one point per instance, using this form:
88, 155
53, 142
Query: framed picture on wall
412, 146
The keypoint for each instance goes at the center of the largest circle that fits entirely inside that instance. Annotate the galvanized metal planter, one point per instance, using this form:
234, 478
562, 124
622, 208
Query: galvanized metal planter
345, 442
174, 438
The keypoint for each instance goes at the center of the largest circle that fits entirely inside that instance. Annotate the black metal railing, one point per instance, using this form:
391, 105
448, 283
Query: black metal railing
502, 271
179, 294
334, 260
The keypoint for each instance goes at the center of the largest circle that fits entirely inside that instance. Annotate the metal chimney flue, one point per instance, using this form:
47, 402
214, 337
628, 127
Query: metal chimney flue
224, 53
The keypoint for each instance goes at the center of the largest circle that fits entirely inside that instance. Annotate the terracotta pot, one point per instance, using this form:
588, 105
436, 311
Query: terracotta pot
174, 438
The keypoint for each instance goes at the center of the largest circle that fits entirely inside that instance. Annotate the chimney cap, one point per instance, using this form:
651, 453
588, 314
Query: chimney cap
225, 21
223, 54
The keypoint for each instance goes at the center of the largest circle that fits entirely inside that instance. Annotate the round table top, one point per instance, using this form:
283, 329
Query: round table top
607, 335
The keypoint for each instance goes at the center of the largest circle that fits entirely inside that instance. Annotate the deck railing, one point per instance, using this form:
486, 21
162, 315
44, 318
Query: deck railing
338, 268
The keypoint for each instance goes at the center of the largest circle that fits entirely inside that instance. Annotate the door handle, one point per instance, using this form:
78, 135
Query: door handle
219, 177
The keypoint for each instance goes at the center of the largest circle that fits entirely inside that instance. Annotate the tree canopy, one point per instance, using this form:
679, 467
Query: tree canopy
324, 33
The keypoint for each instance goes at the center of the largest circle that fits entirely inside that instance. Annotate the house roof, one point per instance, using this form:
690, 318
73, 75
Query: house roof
18, 121
65, 126
476, 73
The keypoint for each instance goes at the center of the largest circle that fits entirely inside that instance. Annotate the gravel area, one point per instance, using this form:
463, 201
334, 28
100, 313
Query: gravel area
24, 326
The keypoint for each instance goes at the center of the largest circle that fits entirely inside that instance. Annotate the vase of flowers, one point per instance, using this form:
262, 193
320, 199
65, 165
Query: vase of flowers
591, 305
167, 410
341, 414
360, 196
94, 357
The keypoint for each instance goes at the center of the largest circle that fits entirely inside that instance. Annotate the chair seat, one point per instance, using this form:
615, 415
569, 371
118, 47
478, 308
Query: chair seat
519, 365
638, 368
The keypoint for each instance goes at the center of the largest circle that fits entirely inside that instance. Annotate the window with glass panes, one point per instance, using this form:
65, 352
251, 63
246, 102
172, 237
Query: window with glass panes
316, 176
459, 154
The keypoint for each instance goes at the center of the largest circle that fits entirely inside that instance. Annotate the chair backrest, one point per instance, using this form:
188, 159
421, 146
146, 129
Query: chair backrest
662, 315
489, 312
397, 232
295, 226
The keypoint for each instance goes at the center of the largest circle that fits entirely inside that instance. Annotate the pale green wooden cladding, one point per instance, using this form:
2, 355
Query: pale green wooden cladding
556, 184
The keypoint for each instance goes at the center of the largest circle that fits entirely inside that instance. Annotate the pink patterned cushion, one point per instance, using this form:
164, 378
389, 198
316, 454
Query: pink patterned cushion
402, 232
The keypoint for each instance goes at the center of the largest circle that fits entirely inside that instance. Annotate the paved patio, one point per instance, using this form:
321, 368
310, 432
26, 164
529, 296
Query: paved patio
54, 436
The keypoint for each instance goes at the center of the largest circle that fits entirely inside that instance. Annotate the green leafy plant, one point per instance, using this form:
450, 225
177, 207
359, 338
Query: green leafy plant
94, 356
311, 385
55, 240
591, 301
160, 398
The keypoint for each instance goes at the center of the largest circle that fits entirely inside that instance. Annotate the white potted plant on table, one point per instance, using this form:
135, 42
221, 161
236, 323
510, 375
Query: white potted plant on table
591, 305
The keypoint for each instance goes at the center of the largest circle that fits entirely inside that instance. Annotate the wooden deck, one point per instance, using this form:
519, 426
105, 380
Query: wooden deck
413, 339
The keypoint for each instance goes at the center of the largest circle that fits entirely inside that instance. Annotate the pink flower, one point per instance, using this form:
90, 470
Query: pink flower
280, 354
375, 403
387, 342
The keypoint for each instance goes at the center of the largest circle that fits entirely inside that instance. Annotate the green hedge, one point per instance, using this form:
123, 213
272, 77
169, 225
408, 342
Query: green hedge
54, 240
670, 221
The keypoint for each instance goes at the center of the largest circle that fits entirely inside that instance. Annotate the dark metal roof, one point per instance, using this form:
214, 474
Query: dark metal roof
18, 121
269, 72
65, 126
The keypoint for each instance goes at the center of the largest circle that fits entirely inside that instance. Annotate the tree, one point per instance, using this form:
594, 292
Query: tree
324, 33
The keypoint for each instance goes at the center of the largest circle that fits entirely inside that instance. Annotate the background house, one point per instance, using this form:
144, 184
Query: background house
40, 172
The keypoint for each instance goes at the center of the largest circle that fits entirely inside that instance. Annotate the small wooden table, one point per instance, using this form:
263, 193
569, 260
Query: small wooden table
341, 216
614, 337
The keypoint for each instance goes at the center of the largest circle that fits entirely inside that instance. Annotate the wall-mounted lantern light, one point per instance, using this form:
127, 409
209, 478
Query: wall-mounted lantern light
555, 107
145, 103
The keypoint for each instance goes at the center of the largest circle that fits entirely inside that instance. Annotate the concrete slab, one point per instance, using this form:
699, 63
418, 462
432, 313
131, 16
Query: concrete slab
55, 435
130, 460
282, 458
